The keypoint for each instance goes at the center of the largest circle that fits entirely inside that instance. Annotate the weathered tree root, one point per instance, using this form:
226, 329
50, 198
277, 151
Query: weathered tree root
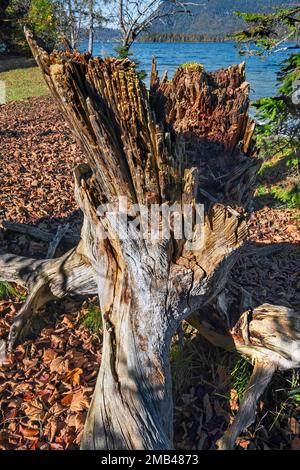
45, 281
260, 379
269, 336
50, 279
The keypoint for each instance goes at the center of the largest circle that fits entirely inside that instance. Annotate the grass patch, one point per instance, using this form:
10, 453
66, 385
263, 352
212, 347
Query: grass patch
240, 376
284, 397
93, 319
8, 291
23, 83
290, 196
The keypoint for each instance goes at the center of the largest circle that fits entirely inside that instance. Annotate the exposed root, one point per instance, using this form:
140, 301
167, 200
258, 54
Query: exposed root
53, 245
45, 281
267, 335
260, 379
21, 326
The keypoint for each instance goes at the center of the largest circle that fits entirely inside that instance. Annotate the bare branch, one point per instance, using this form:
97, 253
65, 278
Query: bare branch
135, 17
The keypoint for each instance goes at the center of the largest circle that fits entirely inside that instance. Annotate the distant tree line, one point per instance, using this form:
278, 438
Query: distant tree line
179, 37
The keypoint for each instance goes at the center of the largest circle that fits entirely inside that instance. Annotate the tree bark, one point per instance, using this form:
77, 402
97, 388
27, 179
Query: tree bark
187, 143
91, 26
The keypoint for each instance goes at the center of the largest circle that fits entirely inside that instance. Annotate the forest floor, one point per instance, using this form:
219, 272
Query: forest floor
46, 385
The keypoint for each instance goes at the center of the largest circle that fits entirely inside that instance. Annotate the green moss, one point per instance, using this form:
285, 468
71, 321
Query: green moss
23, 83
192, 66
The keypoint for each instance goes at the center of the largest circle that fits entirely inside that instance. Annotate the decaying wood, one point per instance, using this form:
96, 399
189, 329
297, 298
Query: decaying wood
37, 233
60, 233
186, 142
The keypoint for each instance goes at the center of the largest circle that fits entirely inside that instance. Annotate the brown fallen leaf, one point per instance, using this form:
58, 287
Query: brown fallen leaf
28, 396
291, 229
34, 410
51, 429
220, 411
73, 376
294, 425
80, 402
49, 355
28, 432
233, 402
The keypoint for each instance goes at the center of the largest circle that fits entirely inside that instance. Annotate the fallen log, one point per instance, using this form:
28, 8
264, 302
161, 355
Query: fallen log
186, 144
38, 234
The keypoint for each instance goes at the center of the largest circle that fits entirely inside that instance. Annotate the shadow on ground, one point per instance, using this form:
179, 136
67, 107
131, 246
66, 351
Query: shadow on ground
15, 62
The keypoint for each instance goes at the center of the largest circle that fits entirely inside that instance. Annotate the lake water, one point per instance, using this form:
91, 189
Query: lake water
261, 72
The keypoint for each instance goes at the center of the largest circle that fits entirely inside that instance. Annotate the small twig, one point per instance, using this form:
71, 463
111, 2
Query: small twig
60, 233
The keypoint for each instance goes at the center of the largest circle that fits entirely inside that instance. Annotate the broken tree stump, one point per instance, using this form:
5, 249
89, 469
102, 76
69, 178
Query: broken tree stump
186, 143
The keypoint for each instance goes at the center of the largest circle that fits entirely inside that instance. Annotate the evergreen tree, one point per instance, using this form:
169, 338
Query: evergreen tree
279, 131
